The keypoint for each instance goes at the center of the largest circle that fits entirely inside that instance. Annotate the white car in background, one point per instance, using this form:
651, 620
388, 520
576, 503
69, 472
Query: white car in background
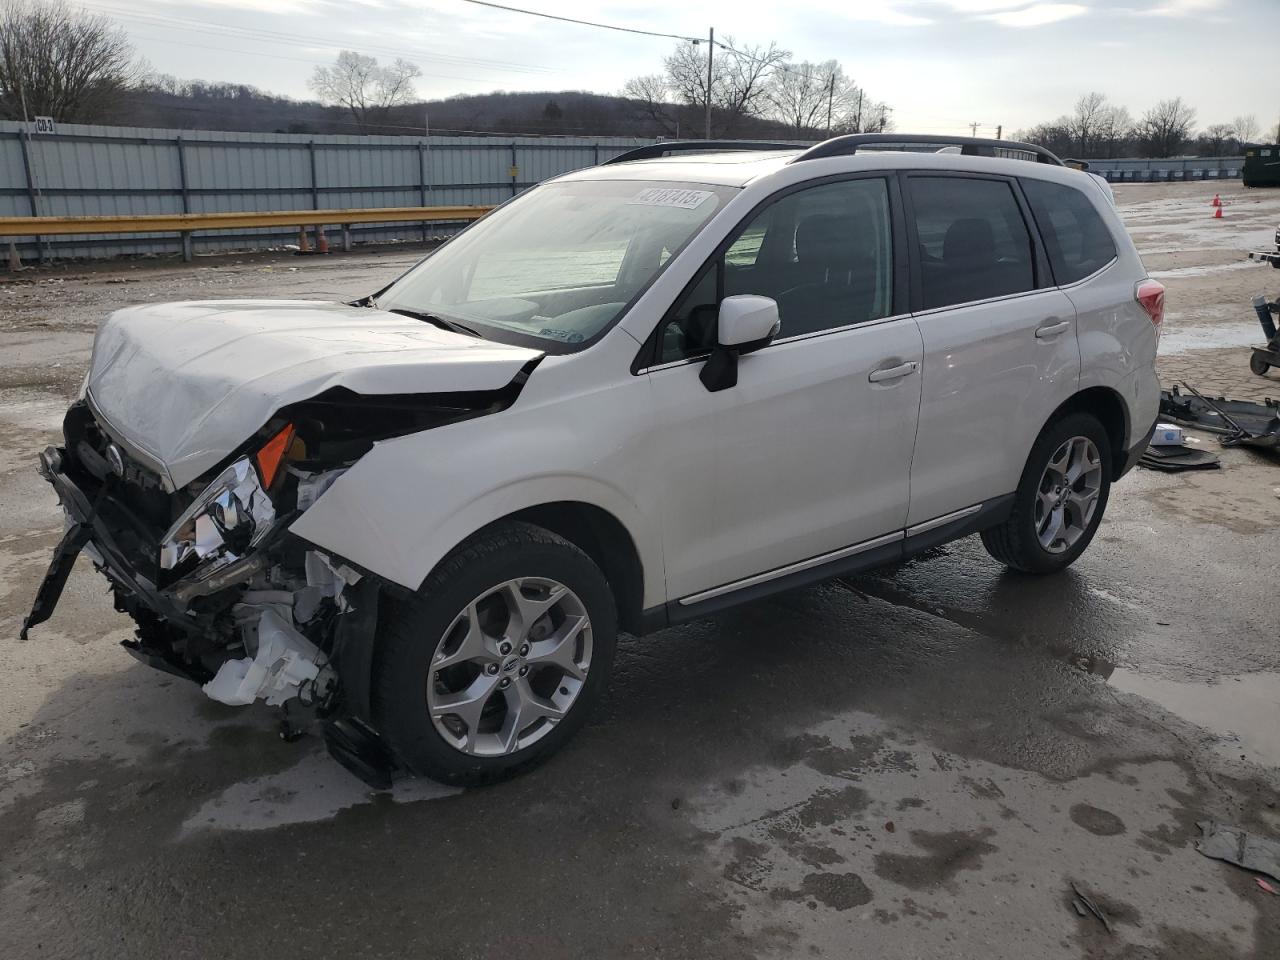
634, 395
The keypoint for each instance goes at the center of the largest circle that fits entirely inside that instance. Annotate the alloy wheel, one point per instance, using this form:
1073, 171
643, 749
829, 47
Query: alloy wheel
1068, 494
510, 667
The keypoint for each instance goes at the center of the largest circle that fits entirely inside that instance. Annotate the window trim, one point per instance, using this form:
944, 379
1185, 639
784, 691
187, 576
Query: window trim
647, 359
1041, 276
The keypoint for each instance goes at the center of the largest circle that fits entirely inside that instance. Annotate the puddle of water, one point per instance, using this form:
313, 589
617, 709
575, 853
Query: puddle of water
1209, 337
1242, 711
317, 788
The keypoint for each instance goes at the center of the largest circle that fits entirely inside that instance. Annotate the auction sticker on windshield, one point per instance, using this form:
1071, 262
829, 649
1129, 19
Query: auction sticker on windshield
671, 197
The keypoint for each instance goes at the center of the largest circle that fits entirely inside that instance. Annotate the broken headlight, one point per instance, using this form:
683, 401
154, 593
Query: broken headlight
231, 515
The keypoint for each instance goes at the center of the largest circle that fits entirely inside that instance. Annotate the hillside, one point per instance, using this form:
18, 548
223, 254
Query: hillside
200, 106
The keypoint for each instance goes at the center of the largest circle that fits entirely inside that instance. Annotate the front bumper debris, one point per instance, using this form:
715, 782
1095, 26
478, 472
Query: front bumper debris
88, 527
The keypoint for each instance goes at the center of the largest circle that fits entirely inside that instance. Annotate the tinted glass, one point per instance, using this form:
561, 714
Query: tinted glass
974, 244
1075, 238
560, 262
825, 254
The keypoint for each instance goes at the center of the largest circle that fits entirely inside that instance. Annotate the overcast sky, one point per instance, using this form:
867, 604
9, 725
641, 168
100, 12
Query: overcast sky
941, 64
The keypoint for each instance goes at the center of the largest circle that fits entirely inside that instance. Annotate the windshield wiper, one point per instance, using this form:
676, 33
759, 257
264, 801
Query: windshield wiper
435, 320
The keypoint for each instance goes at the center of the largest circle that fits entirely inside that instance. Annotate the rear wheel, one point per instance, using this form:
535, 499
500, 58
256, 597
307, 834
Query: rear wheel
498, 660
1060, 499
1258, 365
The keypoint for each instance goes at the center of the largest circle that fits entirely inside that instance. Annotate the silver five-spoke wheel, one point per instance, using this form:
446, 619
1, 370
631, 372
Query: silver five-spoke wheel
1068, 494
509, 667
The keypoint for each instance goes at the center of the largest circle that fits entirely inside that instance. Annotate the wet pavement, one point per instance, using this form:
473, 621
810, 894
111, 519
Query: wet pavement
918, 762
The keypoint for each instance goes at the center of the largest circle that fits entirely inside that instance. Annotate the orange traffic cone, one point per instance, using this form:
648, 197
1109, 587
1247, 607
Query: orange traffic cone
1217, 201
303, 245
1217, 213
322, 242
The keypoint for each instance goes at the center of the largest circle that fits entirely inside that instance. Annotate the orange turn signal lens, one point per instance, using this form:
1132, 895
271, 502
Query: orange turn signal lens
272, 454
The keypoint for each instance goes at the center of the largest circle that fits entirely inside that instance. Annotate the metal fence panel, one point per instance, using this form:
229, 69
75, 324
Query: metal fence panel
88, 170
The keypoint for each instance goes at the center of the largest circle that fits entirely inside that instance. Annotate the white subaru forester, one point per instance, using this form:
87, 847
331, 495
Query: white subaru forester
633, 395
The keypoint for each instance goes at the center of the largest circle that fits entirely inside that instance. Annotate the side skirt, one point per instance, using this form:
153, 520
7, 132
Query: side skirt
921, 537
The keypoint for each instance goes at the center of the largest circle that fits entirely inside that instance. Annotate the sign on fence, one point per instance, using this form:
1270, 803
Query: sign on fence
42, 125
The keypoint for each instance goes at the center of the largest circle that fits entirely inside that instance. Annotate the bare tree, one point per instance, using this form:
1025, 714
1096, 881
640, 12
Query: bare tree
739, 78
366, 89
652, 96
64, 63
1164, 128
1218, 140
1246, 128
817, 97
1083, 123
1113, 131
745, 79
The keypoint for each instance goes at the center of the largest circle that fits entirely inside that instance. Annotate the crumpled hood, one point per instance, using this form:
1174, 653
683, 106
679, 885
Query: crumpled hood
184, 384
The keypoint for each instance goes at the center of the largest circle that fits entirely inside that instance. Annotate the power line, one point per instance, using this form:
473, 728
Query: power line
583, 23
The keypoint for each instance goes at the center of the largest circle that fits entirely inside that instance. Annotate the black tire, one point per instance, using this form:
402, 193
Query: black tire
1257, 365
411, 630
1014, 543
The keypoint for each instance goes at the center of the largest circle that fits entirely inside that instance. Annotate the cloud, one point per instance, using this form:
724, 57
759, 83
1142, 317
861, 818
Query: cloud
1182, 8
1036, 15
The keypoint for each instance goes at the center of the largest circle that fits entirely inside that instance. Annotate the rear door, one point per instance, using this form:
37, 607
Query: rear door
1000, 349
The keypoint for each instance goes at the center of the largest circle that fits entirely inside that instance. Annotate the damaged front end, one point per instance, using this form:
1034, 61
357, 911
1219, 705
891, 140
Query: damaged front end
221, 592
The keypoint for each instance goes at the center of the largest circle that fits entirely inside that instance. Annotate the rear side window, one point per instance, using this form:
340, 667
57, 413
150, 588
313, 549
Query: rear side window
973, 242
1075, 238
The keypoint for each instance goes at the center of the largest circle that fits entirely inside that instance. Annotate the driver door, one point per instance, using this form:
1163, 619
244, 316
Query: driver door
810, 452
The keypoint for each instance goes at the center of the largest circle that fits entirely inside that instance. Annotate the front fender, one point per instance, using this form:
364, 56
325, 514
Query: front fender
409, 501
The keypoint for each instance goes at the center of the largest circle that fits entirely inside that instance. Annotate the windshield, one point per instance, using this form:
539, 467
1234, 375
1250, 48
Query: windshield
559, 263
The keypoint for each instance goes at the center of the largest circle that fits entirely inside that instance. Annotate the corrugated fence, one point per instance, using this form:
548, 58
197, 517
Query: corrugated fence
93, 171
1132, 170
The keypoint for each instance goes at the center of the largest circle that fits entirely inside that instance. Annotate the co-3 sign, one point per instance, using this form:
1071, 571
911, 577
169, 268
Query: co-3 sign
42, 125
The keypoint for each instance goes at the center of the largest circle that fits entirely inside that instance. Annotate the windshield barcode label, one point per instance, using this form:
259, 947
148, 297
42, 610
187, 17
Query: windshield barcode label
671, 197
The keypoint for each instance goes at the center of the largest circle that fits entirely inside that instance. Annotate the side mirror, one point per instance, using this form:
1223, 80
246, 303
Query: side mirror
746, 322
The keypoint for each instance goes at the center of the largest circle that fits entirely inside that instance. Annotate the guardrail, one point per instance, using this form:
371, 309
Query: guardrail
185, 224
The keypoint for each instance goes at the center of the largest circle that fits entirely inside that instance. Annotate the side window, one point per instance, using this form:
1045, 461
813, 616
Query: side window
1075, 238
973, 243
825, 254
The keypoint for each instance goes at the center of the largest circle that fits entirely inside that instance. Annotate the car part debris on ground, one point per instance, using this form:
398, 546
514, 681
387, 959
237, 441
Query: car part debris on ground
1170, 452
1084, 906
1223, 842
1237, 422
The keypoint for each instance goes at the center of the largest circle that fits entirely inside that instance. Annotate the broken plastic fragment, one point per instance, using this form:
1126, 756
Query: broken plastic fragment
285, 660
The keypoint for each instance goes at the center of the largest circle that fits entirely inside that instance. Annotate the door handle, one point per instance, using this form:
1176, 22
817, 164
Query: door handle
1052, 329
893, 373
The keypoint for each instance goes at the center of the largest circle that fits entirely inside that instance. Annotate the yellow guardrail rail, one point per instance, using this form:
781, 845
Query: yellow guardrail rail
188, 222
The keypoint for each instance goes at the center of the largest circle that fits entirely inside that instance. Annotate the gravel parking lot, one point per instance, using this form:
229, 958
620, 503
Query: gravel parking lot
913, 763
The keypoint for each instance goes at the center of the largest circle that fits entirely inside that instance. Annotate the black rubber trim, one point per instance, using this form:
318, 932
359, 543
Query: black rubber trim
993, 513
680, 613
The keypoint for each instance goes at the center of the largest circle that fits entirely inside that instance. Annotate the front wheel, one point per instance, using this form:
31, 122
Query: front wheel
1258, 365
498, 659
1060, 498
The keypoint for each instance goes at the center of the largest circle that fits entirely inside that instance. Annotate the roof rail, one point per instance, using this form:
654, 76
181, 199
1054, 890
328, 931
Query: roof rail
970, 146
664, 147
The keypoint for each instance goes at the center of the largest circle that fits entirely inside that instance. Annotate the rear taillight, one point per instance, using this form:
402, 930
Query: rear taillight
1150, 293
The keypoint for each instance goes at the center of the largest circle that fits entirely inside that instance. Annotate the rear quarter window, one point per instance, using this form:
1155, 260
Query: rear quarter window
1075, 237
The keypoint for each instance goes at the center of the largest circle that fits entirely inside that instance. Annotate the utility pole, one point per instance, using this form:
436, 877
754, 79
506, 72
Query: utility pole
831, 95
973, 128
711, 52
860, 130
999, 131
